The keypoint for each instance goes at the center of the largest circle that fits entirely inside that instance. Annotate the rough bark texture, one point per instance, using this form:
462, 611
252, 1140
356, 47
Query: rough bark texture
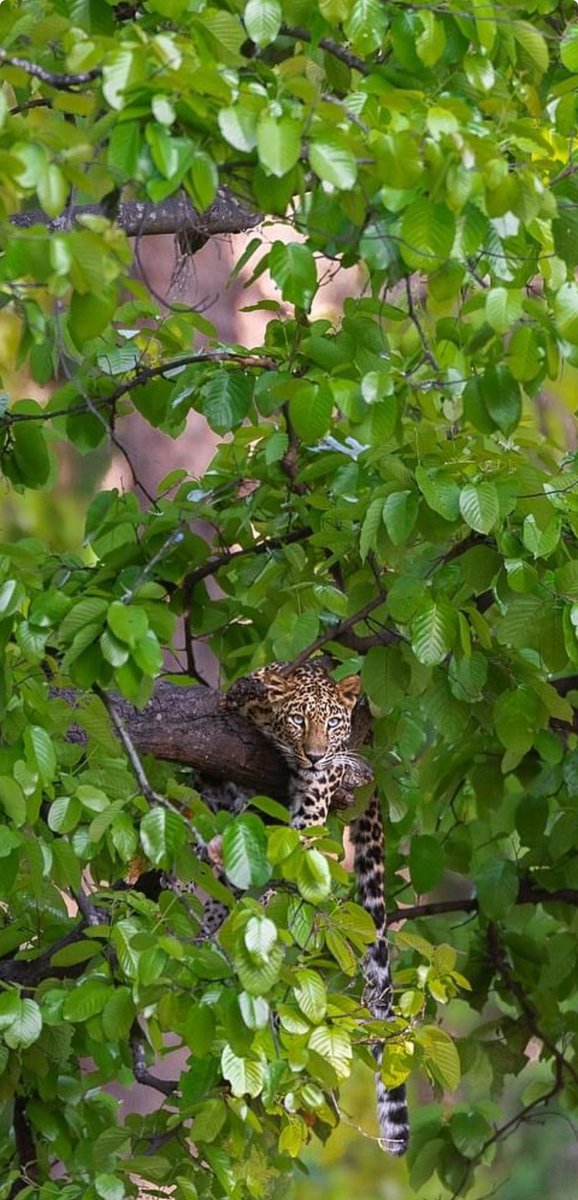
139, 218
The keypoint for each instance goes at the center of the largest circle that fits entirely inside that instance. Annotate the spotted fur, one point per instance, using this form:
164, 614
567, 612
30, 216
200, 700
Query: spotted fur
308, 717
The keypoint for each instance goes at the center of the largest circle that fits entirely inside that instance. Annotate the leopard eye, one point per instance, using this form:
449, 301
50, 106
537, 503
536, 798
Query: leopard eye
333, 722
297, 719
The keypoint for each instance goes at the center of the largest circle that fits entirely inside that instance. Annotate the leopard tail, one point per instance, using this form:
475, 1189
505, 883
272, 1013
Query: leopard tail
369, 843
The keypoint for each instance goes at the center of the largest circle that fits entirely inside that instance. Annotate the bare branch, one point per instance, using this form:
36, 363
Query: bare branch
335, 48
142, 218
222, 560
141, 1071
343, 632
528, 893
63, 83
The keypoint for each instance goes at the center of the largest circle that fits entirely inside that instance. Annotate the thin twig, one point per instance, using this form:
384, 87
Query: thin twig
427, 352
337, 631
132, 755
222, 560
335, 48
144, 376
500, 961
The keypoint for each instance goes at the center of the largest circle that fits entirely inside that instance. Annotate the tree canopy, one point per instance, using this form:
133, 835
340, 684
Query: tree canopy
396, 485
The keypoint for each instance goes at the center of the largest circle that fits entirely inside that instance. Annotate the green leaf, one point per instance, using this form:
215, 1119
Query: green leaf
470, 1131
396, 1064
515, 718
25, 1027
86, 1000
238, 126
371, 525
497, 887
292, 267
245, 1076
314, 877
262, 19
427, 235
88, 317
333, 162
12, 800
12, 594
479, 506
334, 1046
281, 844
90, 611
52, 190
433, 630
311, 995
128, 622
430, 43
202, 181
278, 143
524, 359
108, 1187
541, 542
503, 308
426, 862
122, 69
440, 492
310, 412
399, 515
258, 980
566, 578
41, 754
162, 833
569, 48
254, 1011
225, 399
441, 1055
566, 312
260, 936
533, 45
209, 1122
245, 852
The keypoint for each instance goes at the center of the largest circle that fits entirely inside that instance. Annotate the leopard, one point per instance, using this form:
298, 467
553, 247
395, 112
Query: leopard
307, 715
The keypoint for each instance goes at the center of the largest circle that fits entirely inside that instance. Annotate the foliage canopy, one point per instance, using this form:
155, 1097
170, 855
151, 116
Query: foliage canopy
413, 499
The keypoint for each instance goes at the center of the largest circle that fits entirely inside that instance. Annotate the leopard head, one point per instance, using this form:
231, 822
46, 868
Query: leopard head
310, 714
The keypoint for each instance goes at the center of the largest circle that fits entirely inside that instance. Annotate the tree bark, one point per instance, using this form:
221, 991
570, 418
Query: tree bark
139, 218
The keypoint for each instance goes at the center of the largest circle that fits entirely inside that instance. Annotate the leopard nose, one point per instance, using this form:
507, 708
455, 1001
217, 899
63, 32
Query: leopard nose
315, 756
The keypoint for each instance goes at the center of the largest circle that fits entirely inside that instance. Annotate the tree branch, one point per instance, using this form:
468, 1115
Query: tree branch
63, 83
335, 48
141, 1071
25, 1148
222, 560
343, 632
502, 966
141, 218
144, 375
528, 893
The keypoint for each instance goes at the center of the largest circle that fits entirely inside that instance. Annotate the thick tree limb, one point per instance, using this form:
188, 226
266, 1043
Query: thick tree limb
141, 218
186, 725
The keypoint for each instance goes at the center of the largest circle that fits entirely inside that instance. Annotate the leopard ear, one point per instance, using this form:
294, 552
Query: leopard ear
275, 683
349, 689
